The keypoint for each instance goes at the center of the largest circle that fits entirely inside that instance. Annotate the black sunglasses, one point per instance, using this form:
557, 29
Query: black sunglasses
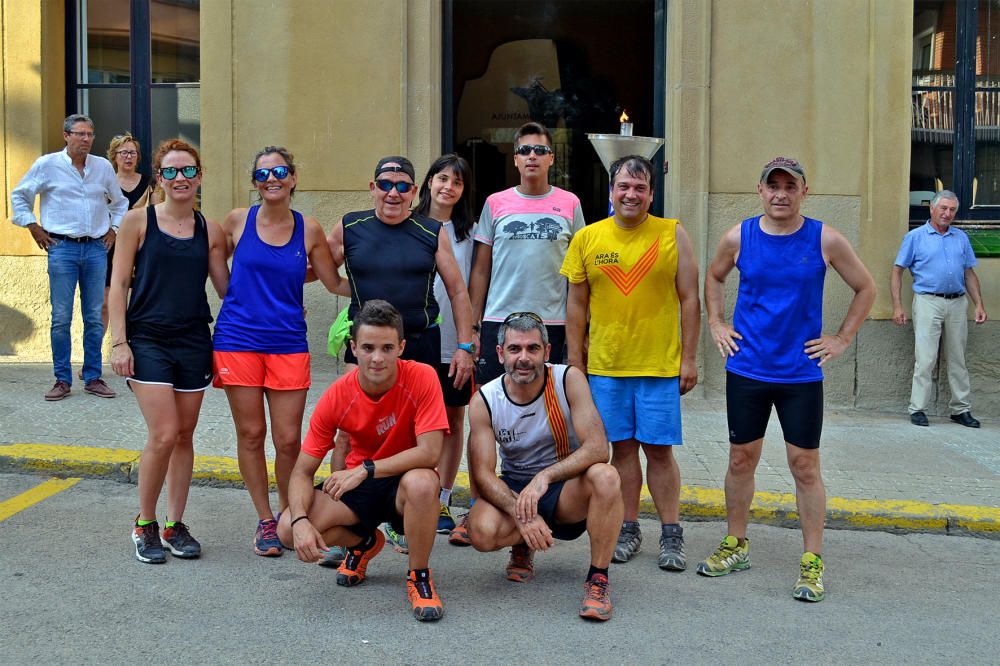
169, 173
387, 186
525, 149
280, 172
522, 315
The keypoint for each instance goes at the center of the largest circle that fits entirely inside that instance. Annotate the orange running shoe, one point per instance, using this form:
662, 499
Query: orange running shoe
520, 568
351, 571
427, 605
460, 535
596, 599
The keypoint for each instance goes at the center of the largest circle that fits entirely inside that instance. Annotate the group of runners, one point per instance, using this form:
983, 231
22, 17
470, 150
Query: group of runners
448, 313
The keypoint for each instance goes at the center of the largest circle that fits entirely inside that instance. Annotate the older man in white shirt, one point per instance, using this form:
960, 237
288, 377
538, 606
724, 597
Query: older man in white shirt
81, 207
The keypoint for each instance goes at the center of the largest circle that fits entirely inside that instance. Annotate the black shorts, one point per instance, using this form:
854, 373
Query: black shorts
799, 407
423, 346
547, 509
183, 362
111, 256
374, 503
454, 397
489, 367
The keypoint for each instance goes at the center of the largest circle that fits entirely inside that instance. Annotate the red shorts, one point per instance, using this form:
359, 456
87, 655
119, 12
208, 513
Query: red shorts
281, 372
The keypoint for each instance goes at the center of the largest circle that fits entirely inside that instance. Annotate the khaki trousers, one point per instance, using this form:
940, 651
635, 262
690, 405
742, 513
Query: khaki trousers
933, 315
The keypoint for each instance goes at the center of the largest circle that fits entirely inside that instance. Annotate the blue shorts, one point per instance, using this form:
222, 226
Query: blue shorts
647, 409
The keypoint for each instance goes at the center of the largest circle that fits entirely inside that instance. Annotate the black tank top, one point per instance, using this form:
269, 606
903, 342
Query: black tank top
137, 192
168, 292
394, 262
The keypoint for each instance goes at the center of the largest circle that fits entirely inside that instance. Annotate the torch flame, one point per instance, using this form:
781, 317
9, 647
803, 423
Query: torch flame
623, 118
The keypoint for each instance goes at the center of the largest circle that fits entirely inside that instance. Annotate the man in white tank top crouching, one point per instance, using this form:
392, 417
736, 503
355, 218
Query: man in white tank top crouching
555, 480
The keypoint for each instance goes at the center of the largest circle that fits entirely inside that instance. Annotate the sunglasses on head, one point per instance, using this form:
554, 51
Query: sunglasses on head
525, 149
280, 172
169, 173
522, 315
387, 186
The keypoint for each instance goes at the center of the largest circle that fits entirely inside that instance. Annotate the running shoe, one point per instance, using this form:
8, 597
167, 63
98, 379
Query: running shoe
809, 586
426, 603
333, 557
397, 540
180, 542
672, 548
596, 598
460, 535
730, 556
629, 542
352, 570
520, 568
445, 522
148, 547
265, 540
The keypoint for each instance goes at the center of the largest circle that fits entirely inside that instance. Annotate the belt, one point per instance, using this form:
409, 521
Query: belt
950, 297
73, 239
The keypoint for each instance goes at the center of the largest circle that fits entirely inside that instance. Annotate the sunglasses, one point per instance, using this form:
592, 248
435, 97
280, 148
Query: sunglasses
522, 315
388, 186
169, 173
525, 149
280, 172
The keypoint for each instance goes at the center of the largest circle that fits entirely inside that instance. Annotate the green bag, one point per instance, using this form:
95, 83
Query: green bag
340, 333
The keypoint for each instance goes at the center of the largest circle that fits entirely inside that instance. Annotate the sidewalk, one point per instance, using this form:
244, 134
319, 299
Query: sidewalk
880, 472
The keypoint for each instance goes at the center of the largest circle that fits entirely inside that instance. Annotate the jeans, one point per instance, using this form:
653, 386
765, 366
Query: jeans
69, 264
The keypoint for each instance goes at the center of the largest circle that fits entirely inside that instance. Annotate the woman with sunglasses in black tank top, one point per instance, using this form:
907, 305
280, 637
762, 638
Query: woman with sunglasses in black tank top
161, 342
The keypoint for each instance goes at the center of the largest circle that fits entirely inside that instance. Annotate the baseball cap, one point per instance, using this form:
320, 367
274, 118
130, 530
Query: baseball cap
395, 164
786, 164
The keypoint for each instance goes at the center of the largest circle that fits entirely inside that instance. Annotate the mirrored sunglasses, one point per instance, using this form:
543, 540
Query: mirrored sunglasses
387, 186
525, 149
169, 173
280, 172
522, 315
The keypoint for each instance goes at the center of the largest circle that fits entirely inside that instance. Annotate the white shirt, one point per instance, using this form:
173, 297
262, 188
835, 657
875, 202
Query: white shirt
71, 204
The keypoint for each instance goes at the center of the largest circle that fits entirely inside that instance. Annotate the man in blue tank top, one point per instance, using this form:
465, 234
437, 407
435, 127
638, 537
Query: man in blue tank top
775, 350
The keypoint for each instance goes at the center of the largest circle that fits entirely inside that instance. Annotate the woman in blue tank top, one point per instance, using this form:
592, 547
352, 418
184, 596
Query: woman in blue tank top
161, 344
261, 350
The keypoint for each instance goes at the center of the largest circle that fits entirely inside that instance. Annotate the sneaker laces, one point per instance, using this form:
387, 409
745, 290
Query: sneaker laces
627, 536
181, 535
444, 512
673, 541
597, 588
520, 556
151, 535
811, 570
269, 530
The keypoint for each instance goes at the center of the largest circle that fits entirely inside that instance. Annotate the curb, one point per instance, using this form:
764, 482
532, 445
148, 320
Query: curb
697, 503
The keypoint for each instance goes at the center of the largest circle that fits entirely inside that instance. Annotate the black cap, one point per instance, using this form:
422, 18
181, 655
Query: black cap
395, 164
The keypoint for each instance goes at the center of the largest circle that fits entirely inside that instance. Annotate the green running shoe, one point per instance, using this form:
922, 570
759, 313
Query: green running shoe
397, 540
809, 586
727, 558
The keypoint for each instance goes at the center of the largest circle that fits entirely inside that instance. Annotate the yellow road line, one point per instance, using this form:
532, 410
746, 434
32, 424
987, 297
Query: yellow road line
40, 492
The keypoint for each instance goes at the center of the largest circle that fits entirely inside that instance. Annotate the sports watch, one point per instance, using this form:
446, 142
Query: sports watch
468, 347
369, 466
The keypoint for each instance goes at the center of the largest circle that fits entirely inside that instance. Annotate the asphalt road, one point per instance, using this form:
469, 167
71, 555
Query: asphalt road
73, 593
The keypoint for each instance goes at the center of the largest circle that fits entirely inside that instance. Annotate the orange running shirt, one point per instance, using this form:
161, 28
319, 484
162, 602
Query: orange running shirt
378, 428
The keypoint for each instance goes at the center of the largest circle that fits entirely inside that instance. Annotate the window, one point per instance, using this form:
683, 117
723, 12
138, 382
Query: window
135, 65
556, 62
955, 135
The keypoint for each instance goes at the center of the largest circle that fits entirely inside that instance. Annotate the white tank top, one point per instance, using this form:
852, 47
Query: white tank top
535, 435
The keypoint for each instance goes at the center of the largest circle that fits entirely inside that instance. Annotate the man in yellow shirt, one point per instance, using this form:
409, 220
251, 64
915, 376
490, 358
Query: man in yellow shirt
638, 275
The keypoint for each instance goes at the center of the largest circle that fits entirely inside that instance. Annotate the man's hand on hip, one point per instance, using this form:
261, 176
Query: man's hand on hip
41, 236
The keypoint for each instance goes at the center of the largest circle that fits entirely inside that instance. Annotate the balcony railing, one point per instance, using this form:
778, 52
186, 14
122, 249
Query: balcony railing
933, 108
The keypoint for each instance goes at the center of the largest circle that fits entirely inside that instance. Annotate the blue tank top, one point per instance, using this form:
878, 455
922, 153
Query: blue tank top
262, 311
394, 262
779, 304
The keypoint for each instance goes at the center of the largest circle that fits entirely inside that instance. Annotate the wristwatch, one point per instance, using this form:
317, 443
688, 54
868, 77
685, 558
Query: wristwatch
468, 347
369, 466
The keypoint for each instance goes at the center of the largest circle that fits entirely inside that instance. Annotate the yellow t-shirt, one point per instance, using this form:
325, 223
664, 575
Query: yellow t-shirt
634, 309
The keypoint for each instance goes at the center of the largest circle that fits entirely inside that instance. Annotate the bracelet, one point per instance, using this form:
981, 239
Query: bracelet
118, 344
298, 519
